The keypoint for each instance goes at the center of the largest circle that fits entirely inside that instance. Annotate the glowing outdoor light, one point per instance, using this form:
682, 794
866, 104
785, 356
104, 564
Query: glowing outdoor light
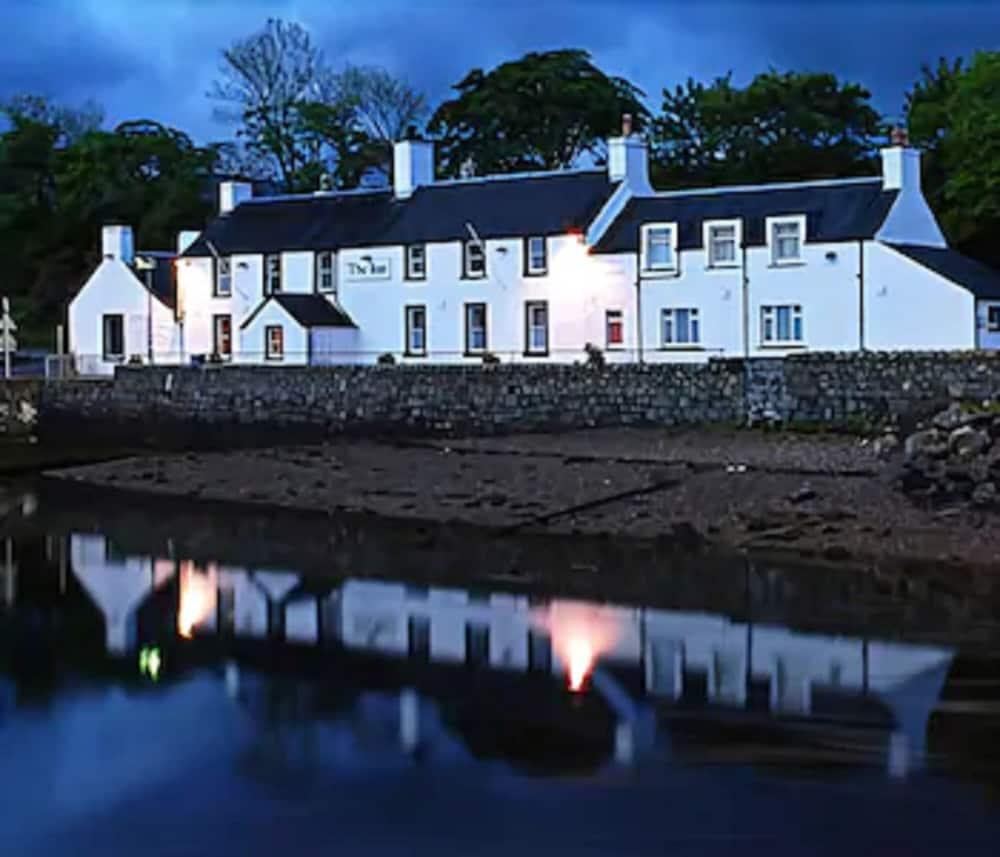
580, 661
150, 662
580, 634
197, 599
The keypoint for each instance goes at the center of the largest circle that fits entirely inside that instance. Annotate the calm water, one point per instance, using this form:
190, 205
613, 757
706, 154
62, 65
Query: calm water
161, 693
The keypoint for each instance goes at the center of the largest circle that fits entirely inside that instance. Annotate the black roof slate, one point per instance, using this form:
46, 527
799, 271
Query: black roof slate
982, 280
307, 310
834, 212
497, 208
160, 279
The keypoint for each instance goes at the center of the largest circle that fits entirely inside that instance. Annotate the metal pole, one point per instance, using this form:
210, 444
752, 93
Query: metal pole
5, 335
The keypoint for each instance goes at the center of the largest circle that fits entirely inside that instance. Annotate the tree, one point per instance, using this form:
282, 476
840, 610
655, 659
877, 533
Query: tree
543, 111
953, 113
385, 106
780, 127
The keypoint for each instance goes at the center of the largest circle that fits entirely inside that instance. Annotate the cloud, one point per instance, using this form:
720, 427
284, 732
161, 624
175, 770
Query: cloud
156, 59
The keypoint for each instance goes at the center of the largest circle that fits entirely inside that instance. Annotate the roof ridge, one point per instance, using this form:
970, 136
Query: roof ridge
751, 188
526, 174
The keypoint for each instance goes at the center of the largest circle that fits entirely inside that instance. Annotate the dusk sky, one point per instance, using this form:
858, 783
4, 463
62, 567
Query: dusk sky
157, 58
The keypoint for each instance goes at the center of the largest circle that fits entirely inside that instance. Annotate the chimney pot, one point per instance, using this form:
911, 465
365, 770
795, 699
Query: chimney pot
626, 124
899, 136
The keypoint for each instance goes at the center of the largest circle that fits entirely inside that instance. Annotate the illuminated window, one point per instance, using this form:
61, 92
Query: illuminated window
222, 335
274, 342
475, 259
536, 256
993, 319
223, 277
113, 337
781, 324
614, 324
475, 328
785, 239
272, 273
680, 327
325, 272
722, 244
536, 328
416, 262
416, 331
659, 247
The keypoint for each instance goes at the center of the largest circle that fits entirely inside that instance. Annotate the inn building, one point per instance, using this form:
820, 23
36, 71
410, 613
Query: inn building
533, 267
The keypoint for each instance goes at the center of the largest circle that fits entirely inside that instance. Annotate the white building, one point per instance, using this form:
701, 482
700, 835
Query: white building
534, 266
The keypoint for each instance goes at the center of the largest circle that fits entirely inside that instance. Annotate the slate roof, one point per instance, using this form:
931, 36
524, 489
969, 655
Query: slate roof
159, 280
307, 310
500, 207
982, 280
836, 211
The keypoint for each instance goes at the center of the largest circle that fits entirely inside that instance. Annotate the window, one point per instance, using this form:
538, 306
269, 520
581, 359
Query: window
475, 259
993, 319
659, 247
272, 273
222, 335
539, 652
680, 327
477, 645
325, 273
223, 277
418, 637
416, 262
535, 256
614, 326
416, 331
781, 324
536, 328
785, 238
722, 244
113, 337
475, 328
274, 342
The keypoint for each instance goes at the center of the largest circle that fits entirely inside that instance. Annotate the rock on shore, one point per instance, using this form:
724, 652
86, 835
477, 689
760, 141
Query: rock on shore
955, 457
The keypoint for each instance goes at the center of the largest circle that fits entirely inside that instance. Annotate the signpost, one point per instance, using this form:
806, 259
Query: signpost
7, 341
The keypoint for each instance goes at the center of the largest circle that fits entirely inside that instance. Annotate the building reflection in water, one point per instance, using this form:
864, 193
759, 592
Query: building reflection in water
641, 662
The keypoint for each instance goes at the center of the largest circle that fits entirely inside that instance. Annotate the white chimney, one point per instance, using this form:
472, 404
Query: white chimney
900, 164
412, 164
628, 159
232, 194
185, 238
116, 243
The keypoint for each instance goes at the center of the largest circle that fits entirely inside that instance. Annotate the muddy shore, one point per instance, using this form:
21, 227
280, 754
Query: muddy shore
825, 498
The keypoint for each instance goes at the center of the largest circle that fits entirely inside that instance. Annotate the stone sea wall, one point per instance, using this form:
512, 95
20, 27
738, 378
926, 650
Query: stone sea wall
18, 407
220, 405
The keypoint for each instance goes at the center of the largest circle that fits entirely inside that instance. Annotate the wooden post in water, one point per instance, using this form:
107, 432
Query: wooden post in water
8, 571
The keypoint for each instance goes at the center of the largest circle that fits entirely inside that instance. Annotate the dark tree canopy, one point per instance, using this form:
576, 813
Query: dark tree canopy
542, 111
779, 127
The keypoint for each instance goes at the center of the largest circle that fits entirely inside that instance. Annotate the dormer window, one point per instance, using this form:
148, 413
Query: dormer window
659, 248
722, 242
223, 277
325, 275
475, 260
272, 273
785, 236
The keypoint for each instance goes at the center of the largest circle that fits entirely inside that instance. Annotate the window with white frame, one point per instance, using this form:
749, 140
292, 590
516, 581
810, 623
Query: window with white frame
781, 324
475, 259
416, 262
325, 272
680, 327
536, 256
223, 277
416, 331
536, 327
272, 273
722, 241
785, 238
659, 247
993, 319
274, 342
614, 328
475, 328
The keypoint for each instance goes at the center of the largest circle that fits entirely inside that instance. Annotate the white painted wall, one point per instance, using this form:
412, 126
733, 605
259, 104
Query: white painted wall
297, 272
114, 289
252, 344
989, 339
579, 287
329, 346
908, 306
